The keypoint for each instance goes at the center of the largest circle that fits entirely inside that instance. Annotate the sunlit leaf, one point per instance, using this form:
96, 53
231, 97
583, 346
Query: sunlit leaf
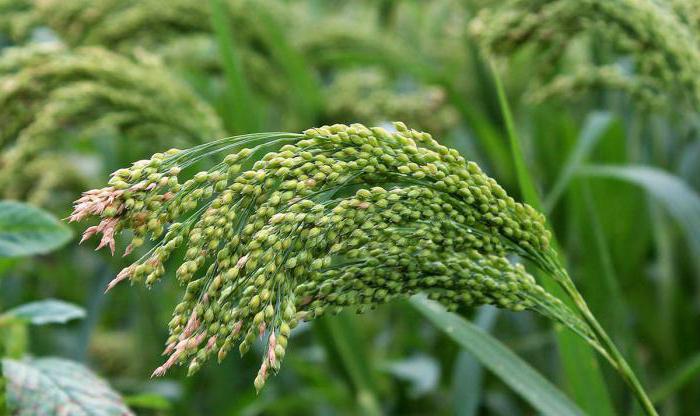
49, 311
421, 371
54, 386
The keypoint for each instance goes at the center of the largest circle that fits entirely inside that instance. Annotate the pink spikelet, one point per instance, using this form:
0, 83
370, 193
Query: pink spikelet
242, 261
236, 328
107, 227
192, 325
94, 202
123, 275
271, 349
211, 342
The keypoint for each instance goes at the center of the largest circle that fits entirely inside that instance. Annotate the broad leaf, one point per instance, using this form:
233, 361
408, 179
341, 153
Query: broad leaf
50, 311
26, 230
54, 386
680, 200
516, 373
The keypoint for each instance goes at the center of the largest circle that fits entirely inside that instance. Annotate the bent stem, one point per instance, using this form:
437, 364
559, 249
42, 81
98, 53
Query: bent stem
613, 355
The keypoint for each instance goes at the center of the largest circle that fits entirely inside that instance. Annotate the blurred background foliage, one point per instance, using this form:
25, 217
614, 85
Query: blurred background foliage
605, 98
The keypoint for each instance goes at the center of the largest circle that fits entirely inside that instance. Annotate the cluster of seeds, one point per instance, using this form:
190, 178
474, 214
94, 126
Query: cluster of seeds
46, 88
659, 38
337, 217
370, 95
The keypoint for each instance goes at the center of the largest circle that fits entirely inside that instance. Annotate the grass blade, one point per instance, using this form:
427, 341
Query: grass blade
337, 333
681, 201
306, 88
468, 372
242, 114
594, 128
515, 372
688, 372
582, 373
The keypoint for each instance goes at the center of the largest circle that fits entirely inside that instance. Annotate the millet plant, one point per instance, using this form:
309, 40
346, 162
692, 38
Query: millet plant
45, 89
644, 47
289, 227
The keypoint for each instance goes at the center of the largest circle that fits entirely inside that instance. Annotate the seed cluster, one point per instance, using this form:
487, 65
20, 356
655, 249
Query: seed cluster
45, 88
369, 95
337, 217
660, 37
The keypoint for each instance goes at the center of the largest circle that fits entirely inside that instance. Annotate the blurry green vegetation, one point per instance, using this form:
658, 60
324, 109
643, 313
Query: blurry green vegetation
605, 113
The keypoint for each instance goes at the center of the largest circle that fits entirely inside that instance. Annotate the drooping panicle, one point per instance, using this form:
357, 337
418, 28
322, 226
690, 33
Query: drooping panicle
289, 227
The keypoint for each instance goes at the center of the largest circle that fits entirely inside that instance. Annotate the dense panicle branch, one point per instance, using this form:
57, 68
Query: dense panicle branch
337, 217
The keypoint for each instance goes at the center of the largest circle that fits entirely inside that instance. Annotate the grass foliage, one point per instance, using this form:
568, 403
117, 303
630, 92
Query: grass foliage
584, 110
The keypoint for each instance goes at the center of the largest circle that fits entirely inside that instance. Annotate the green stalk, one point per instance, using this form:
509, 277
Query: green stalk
584, 377
558, 272
614, 356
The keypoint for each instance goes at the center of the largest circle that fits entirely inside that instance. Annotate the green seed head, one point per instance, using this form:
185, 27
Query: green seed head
271, 246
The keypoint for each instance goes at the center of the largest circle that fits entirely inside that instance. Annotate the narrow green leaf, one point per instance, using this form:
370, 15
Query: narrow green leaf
681, 201
595, 126
687, 372
525, 182
3, 395
468, 372
340, 331
583, 376
52, 386
301, 80
50, 311
516, 373
242, 114
26, 230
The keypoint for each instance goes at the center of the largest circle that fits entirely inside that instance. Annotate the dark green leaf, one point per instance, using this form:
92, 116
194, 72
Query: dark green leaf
681, 201
516, 373
595, 126
26, 230
148, 401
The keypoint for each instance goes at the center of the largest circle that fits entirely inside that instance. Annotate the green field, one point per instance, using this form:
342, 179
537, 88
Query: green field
304, 207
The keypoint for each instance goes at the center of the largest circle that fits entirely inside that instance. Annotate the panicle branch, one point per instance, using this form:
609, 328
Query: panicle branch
289, 227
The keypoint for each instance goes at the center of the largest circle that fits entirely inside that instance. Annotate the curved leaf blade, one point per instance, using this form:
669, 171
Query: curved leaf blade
26, 230
516, 373
54, 386
679, 199
580, 367
49, 311
596, 125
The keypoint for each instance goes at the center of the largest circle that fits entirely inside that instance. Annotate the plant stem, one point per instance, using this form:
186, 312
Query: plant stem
614, 356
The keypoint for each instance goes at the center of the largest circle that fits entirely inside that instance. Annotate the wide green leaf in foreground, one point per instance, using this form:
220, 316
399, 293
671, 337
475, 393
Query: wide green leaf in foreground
54, 386
516, 373
26, 230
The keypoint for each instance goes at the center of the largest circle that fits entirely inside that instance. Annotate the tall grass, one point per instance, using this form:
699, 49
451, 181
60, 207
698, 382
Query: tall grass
602, 131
